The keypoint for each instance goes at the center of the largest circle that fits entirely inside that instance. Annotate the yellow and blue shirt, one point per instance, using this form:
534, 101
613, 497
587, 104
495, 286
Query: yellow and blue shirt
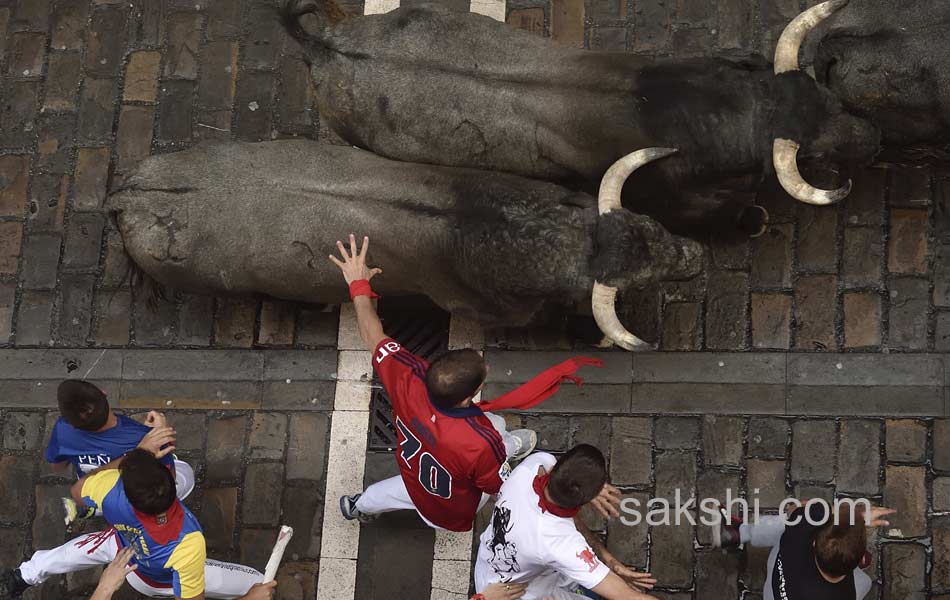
170, 554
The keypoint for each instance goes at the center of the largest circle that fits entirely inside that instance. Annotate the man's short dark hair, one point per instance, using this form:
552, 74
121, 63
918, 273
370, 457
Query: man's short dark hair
839, 548
83, 405
455, 376
578, 476
148, 484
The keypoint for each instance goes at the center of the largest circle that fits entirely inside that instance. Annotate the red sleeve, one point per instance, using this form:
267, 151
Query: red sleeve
397, 368
488, 472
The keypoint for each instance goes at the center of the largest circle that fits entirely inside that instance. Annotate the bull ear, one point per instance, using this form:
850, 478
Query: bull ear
581, 201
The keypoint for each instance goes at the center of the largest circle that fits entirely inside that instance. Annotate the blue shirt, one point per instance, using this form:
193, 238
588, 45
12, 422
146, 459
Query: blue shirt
169, 554
89, 450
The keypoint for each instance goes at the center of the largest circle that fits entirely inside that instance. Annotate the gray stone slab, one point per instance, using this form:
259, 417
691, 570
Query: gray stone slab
318, 365
925, 370
709, 367
25, 393
193, 365
298, 395
376, 577
631, 451
60, 364
813, 450
574, 398
859, 457
222, 395
708, 398
865, 401
722, 440
519, 367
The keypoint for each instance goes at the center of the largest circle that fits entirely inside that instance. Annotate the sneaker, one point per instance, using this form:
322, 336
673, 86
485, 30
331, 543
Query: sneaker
12, 585
350, 512
525, 441
726, 533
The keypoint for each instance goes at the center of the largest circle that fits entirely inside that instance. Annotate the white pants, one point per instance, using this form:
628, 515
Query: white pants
767, 533
391, 494
222, 580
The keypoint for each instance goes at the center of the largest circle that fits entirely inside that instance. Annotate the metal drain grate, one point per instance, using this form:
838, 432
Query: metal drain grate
423, 329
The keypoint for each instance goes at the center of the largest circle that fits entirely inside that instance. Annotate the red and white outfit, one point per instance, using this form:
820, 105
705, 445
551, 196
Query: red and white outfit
526, 542
450, 460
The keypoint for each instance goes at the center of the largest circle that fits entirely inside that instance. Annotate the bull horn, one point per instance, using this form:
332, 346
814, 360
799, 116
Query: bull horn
786, 52
785, 159
620, 171
604, 303
604, 298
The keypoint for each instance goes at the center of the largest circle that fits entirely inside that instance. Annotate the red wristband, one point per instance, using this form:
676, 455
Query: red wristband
360, 287
478, 597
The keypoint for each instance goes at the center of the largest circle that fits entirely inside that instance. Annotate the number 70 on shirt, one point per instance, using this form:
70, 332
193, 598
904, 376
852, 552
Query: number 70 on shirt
433, 477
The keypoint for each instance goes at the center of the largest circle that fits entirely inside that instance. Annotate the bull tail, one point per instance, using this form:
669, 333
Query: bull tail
327, 12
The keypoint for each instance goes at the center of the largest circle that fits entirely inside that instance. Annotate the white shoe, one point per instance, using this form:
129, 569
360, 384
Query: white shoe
525, 441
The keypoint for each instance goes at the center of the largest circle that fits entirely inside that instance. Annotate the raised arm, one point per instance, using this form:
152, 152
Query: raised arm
354, 269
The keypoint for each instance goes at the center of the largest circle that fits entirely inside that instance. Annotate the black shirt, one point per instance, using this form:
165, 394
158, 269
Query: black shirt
795, 575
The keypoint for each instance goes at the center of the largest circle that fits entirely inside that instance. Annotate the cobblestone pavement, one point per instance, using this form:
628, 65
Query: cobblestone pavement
91, 86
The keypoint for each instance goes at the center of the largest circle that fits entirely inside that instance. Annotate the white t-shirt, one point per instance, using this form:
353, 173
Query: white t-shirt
522, 543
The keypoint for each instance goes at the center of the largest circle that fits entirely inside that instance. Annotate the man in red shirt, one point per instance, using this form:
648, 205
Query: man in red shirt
451, 455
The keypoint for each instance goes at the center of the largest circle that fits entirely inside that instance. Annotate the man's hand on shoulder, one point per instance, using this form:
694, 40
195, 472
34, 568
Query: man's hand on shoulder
156, 438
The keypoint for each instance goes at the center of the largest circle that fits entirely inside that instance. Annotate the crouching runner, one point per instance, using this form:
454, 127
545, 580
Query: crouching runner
536, 537
136, 494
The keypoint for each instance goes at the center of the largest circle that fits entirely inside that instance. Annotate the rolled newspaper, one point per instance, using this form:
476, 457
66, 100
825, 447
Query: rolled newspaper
277, 553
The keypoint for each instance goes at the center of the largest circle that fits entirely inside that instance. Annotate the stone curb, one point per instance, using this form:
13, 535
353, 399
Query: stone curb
655, 383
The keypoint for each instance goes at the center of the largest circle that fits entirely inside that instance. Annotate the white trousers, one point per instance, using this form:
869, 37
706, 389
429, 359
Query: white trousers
767, 533
222, 580
391, 494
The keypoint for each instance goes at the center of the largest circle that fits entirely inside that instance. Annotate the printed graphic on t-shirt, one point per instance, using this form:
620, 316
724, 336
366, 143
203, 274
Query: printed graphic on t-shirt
504, 553
587, 555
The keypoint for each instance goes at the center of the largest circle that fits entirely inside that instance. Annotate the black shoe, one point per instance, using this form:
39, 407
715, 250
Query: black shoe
12, 585
726, 533
350, 512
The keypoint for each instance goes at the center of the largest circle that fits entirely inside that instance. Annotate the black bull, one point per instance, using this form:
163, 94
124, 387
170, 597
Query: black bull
262, 219
434, 86
889, 62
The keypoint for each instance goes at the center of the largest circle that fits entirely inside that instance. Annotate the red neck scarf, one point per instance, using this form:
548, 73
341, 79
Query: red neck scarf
163, 533
543, 386
541, 484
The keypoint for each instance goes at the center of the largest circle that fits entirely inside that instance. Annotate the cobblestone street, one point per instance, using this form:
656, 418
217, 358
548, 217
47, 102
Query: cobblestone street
818, 365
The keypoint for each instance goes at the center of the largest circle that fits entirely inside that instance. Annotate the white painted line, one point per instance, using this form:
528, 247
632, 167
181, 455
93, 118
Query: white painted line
375, 7
452, 561
348, 337
450, 579
346, 463
337, 579
490, 8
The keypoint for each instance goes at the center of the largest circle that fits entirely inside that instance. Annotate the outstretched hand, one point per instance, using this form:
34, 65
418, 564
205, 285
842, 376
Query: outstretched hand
113, 577
353, 264
607, 501
875, 517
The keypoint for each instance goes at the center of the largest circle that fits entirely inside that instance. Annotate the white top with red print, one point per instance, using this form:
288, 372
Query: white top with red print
522, 543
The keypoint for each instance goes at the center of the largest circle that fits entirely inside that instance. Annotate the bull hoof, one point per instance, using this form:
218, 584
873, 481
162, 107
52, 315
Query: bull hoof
754, 221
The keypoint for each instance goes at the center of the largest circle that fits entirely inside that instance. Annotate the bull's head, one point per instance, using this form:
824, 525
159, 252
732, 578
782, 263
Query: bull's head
840, 134
633, 250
